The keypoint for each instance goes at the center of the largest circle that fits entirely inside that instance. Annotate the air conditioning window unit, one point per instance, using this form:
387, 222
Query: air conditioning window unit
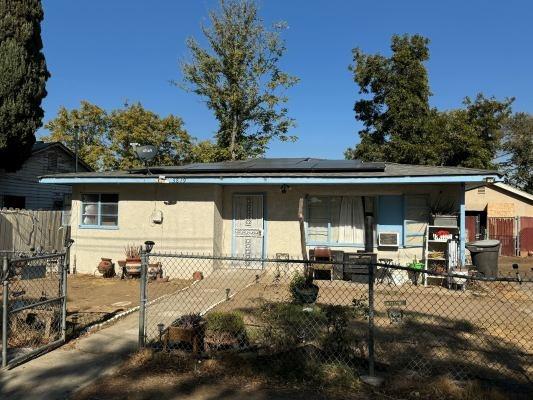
388, 239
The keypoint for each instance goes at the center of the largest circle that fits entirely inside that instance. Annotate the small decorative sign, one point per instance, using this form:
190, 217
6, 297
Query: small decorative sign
393, 303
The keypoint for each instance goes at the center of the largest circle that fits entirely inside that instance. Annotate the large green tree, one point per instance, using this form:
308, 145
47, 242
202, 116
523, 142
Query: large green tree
23, 76
400, 126
239, 76
395, 108
517, 150
105, 138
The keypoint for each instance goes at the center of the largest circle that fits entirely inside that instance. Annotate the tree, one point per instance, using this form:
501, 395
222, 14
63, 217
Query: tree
91, 124
399, 124
471, 136
23, 76
240, 79
518, 151
105, 139
396, 114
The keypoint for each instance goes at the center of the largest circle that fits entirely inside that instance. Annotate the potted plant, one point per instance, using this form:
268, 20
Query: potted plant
302, 289
133, 259
443, 213
188, 329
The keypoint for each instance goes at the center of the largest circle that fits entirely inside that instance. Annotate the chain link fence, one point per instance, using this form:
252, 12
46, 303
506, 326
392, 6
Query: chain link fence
380, 319
33, 305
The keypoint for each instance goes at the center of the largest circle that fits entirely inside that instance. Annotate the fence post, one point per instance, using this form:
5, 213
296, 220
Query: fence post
371, 320
64, 267
142, 303
5, 309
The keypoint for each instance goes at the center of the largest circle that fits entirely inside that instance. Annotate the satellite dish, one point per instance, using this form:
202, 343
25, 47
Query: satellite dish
146, 153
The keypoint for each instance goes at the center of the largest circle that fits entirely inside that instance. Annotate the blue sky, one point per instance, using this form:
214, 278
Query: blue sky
108, 52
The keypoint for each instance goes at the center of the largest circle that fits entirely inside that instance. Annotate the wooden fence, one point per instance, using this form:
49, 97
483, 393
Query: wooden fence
23, 230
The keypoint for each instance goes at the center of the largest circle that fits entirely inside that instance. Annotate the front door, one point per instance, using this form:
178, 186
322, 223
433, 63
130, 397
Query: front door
248, 222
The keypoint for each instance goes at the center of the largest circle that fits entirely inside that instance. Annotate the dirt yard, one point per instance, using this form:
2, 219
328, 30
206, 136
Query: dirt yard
525, 265
147, 375
93, 299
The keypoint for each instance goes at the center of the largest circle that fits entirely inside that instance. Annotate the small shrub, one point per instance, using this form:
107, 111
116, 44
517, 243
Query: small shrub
225, 330
225, 322
288, 324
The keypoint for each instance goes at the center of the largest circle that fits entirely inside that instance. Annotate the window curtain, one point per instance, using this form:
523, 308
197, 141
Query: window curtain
348, 221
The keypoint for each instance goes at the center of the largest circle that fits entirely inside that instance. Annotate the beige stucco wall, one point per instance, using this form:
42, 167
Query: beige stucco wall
198, 218
501, 199
191, 221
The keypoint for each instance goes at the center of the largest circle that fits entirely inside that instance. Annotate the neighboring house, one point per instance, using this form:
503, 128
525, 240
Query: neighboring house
502, 212
251, 207
22, 190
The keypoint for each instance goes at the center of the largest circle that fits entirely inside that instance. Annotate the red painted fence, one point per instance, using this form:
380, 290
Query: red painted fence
526, 234
503, 229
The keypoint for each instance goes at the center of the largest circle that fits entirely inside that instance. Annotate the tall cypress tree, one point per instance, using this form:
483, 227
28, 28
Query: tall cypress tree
23, 76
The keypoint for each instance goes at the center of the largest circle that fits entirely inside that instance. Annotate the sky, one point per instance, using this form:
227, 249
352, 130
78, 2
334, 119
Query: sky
109, 52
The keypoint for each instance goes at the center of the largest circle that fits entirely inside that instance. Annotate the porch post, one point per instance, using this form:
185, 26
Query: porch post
462, 229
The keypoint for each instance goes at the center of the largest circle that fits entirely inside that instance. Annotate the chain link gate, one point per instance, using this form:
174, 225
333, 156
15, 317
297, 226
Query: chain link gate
33, 306
372, 319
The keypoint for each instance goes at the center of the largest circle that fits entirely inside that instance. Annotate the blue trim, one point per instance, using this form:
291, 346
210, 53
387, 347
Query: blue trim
388, 219
265, 225
99, 215
280, 180
104, 227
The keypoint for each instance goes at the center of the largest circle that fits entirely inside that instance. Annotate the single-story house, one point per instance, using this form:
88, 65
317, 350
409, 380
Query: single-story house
251, 208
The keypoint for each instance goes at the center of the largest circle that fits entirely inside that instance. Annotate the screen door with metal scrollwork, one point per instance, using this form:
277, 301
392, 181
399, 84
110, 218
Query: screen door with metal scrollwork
248, 233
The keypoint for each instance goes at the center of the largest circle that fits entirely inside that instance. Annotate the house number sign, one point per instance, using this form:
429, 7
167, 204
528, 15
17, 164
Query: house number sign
243, 232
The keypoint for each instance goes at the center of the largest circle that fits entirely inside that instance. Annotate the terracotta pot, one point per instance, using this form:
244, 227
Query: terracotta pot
197, 276
133, 266
121, 263
106, 267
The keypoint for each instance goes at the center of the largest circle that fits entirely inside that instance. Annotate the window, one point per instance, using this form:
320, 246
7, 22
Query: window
335, 220
99, 210
481, 190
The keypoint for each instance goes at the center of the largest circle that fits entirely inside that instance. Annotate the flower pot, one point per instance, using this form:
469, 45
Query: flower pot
197, 276
106, 267
133, 266
155, 271
307, 294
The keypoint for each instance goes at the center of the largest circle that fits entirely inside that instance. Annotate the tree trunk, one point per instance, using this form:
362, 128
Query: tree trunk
233, 138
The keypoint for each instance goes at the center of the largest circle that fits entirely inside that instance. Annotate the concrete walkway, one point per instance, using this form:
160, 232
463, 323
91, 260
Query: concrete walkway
59, 373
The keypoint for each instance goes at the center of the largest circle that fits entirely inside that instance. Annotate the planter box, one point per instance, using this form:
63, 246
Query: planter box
191, 336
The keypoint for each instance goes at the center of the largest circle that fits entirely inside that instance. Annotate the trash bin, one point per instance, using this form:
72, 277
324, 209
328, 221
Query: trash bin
485, 256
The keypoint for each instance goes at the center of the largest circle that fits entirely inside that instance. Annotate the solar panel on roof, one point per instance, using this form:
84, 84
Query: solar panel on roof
276, 165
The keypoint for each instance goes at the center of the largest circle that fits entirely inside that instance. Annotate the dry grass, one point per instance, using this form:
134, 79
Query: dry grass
445, 388
149, 375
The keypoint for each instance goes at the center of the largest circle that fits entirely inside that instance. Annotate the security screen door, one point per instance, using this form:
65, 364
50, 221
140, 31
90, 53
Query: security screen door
248, 234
